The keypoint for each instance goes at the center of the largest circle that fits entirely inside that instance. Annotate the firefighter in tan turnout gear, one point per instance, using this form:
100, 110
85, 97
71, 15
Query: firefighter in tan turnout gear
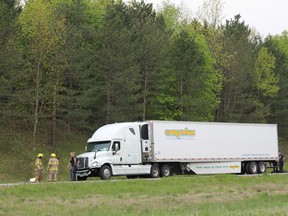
52, 168
38, 168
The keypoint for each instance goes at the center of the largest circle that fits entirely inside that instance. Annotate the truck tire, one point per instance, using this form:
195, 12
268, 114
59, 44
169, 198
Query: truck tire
165, 170
251, 168
261, 167
105, 172
155, 172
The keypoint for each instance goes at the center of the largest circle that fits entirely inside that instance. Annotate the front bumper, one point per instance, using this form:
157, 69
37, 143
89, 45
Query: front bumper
83, 173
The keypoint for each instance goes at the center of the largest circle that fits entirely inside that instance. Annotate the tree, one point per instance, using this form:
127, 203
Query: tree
149, 35
9, 12
82, 21
265, 79
238, 101
198, 83
278, 46
211, 13
43, 35
116, 72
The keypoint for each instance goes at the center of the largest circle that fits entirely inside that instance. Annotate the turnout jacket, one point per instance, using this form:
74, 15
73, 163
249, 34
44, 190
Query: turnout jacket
53, 165
38, 164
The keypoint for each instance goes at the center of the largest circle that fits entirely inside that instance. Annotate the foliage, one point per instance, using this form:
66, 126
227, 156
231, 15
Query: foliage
239, 102
277, 45
9, 12
82, 64
266, 82
198, 82
186, 195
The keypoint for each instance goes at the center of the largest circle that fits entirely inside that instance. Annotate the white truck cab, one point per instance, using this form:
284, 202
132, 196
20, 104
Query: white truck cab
115, 148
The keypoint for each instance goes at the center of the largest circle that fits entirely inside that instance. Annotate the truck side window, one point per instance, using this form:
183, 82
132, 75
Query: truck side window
116, 146
144, 132
132, 130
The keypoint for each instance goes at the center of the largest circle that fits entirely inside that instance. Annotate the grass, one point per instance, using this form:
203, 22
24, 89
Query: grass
19, 156
177, 195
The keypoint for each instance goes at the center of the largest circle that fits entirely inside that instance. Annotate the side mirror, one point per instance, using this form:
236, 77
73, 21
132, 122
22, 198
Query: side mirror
116, 147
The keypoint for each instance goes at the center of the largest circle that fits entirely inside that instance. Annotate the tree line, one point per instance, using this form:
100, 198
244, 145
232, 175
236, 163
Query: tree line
80, 64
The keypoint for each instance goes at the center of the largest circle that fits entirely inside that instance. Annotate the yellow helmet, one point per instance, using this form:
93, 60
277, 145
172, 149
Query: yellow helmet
53, 155
39, 155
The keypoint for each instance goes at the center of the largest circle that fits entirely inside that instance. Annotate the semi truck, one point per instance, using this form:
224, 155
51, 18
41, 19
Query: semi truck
162, 148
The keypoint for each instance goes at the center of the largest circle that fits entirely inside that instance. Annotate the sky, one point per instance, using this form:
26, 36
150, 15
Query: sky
265, 16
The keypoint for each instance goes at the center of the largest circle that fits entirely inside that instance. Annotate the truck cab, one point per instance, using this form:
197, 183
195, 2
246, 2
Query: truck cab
114, 149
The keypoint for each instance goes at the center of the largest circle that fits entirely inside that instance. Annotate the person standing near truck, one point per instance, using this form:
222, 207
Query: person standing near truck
73, 166
38, 168
281, 162
52, 168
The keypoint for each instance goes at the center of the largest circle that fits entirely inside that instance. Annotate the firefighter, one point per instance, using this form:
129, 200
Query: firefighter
38, 168
52, 168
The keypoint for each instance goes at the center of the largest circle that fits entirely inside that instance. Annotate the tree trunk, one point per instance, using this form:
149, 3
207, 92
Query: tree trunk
145, 94
54, 112
36, 109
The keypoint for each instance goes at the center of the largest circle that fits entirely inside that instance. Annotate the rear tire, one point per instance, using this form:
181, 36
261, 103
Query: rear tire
155, 172
261, 167
251, 168
165, 170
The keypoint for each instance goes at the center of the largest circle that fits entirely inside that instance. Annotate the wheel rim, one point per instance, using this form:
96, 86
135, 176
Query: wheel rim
262, 168
106, 173
253, 168
165, 171
155, 172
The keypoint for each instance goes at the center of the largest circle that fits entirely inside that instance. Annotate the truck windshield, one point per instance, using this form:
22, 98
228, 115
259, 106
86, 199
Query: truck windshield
98, 146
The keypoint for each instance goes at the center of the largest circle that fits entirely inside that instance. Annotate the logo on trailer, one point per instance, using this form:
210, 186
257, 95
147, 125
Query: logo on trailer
186, 133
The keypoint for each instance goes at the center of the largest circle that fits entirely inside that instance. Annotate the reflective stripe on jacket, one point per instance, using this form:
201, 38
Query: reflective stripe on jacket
53, 164
38, 164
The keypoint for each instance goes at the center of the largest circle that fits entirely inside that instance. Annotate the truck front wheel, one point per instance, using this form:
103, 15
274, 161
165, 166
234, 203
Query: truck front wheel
155, 172
105, 172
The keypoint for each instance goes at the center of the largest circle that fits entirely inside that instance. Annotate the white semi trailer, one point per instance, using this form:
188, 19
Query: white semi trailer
161, 148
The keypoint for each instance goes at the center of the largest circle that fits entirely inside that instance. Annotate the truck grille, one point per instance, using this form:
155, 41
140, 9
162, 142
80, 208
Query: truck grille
83, 162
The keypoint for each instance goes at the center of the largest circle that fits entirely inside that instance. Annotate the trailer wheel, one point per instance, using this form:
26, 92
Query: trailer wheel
261, 167
165, 170
251, 168
105, 172
155, 172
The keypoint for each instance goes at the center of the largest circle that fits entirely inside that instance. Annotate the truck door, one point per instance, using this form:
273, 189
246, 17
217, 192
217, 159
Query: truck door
131, 148
116, 153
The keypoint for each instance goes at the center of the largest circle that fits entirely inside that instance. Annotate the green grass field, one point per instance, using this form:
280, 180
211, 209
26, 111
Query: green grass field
176, 195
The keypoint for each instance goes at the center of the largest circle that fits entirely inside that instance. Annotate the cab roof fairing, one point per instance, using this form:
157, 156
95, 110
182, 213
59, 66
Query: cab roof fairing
112, 131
